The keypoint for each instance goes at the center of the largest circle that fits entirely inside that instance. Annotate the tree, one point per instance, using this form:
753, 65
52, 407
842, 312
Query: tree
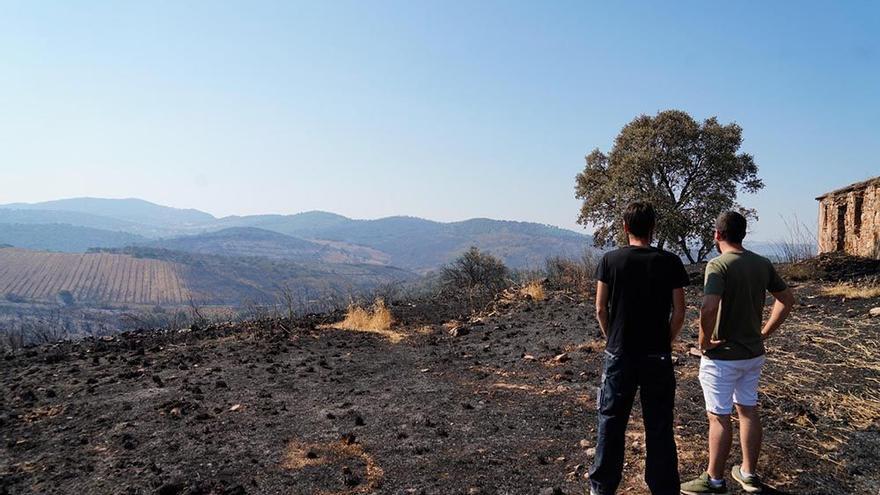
691, 172
474, 277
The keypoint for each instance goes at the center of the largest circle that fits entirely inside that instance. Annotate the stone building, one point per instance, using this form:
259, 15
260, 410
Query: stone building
849, 219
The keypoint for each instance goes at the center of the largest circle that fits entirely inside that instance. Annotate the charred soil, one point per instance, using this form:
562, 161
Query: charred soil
501, 404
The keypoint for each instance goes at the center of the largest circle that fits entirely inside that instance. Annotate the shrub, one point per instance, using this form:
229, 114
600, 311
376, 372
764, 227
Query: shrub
66, 298
575, 275
474, 279
14, 298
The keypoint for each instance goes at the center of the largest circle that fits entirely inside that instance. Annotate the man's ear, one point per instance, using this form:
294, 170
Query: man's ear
718, 236
625, 227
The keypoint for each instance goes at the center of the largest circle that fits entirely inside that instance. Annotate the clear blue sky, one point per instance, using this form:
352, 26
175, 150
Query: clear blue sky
445, 110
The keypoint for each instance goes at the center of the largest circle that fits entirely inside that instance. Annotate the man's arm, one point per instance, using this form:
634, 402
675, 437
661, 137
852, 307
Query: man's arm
602, 306
678, 310
781, 310
708, 318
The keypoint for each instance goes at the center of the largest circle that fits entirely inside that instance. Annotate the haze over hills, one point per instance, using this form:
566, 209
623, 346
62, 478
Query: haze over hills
406, 242
136, 211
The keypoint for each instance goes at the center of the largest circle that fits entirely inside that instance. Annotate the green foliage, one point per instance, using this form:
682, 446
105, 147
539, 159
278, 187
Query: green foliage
690, 171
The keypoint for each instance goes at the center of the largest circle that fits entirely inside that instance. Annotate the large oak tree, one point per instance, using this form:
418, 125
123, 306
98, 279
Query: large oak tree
690, 171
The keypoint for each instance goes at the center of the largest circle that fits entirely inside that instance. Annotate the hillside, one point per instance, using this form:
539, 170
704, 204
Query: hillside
505, 407
238, 280
63, 237
146, 276
135, 211
251, 241
100, 278
422, 245
411, 243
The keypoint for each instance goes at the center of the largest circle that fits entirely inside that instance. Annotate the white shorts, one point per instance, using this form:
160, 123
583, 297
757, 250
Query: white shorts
729, 382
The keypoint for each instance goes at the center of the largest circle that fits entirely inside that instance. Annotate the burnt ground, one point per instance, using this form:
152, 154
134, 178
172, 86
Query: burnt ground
295, 409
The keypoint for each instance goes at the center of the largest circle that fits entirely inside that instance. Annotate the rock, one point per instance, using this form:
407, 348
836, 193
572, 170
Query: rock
693, 351
551, 490
874, 311
459, 331
529, 357
584, 443
590, 452
561, 358
235, 407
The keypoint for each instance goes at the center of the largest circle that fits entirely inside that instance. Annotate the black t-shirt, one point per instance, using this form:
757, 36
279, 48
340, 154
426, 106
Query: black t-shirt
640, 280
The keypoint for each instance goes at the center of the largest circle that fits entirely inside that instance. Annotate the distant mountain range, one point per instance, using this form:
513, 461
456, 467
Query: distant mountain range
414, 244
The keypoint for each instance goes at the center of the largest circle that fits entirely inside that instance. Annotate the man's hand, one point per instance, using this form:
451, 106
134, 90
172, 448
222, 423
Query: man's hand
781, 309
708, 318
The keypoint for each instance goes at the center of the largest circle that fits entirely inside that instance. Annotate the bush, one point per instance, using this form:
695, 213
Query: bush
66, 298
575, 275
14, 298
474, 279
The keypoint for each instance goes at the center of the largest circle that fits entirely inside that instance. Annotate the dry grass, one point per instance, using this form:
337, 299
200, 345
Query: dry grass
299, 456
377, 319
852, 291
535, 290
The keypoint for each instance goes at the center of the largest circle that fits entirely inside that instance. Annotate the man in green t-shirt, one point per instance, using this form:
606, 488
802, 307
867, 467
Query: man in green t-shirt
732, 342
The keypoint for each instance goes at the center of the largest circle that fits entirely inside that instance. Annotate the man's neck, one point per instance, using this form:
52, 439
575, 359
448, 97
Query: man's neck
639, 241
727, 247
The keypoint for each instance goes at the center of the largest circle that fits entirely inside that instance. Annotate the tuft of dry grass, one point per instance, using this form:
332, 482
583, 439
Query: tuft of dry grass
535, 290
299, 456
377, 319
852, 291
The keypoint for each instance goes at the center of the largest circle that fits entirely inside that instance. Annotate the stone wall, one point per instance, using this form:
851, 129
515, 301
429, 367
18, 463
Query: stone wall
849, 220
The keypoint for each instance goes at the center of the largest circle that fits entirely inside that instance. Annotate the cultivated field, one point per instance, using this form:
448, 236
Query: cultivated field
90, 277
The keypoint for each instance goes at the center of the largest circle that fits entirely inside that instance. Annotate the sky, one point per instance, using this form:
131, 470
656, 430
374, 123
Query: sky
444, 110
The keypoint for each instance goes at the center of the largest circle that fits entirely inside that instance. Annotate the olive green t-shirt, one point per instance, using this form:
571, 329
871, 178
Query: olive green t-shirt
742, 279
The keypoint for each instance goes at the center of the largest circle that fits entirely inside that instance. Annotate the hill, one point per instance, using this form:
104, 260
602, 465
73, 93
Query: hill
100, 278
63, 237
411, 243
251, 241
146, 276
136, 211
238, 280
422, 245
506, 405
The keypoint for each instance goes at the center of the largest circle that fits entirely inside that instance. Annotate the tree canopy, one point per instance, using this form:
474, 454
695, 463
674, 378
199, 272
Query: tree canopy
690, 171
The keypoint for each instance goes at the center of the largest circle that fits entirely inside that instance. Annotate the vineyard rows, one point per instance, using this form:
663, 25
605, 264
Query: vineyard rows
90, 277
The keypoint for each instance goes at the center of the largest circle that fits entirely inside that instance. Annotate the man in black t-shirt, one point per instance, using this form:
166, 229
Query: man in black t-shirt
640, 308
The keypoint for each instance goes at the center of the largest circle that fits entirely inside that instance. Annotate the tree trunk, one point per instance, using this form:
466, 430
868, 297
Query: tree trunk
687, 252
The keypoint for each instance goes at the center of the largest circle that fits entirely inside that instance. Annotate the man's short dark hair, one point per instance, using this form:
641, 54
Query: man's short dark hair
731, 226
640, 218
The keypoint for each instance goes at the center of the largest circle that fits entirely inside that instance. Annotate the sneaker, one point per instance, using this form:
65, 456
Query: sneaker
751, 484
701, 485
